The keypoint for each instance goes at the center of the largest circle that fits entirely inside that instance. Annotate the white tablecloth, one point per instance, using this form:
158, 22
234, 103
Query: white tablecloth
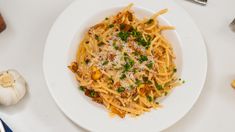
22, 44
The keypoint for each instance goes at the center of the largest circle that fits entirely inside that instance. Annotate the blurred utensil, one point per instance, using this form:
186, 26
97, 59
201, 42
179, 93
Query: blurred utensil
202, 2
4, 127
1, 127
232, 25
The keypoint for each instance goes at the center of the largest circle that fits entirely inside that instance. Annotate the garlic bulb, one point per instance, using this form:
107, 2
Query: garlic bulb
13, 87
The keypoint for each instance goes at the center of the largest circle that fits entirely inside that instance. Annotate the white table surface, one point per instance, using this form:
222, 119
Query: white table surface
22, 44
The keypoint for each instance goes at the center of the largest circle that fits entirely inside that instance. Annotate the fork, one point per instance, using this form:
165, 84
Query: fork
232, 25
202, 2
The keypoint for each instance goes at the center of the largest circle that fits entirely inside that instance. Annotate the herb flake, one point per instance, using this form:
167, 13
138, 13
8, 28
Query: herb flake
92, 93
150, 65
149, 21
97, 37
123, 76
129, 62
82, 88
120, 89
159, 87
174, 70
100, 44
105, 62
123, 35
145, 79
150, 99
122, 26
137, 82
111, 26
143, 58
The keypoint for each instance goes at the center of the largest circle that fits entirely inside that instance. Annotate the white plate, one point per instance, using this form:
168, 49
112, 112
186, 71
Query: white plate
62, 44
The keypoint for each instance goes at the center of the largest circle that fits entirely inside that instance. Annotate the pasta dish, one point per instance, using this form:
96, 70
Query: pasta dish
125, 63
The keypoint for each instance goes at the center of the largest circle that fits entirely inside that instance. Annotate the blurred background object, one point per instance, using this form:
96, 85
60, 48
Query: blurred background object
233, 84
201, 2
2, 24
232, 25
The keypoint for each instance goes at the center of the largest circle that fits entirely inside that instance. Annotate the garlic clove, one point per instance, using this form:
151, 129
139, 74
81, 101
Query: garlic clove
13, 87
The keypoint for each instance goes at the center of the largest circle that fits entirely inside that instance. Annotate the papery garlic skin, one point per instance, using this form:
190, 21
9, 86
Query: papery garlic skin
13, 90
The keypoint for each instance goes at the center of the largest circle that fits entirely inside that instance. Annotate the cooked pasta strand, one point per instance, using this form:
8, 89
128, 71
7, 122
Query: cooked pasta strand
126, 63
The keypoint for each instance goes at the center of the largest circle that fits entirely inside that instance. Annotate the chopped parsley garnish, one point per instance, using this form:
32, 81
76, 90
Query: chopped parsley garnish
111, 79
105, 62
123, 35
129, 62
126, 58
125, 54
82, 88
121, 89
97, 37
127, 66
136, 33
175, 70
148, 38
100, 44
145, 79
150, 99
111, 26
183, 81
159, 87
167, 84
135, 53
143, 58
131, 86
115, 46
123, 76
106, 18
122, 26
138, 82
150, 65
149, 21
92, 93
166, 93
141, 41
139, 38
134, 70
